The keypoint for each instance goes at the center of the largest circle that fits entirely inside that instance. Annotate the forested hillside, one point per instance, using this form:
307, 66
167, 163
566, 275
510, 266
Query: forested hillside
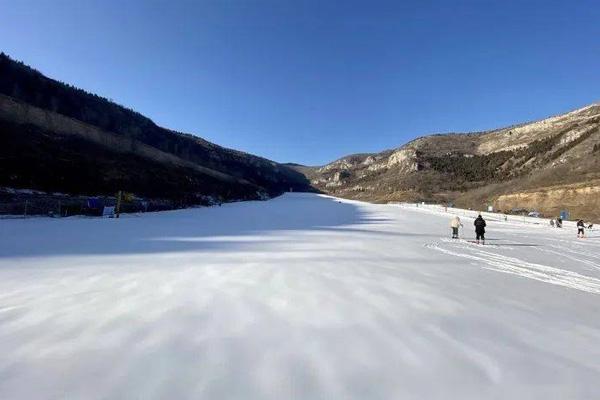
56, 137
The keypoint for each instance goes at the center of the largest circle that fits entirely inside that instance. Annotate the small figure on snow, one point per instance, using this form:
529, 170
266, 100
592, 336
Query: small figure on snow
580, 229
559, 222
455, 224
552, 223
480, 229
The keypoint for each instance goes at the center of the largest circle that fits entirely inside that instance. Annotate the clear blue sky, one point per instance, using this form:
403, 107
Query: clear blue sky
310, 81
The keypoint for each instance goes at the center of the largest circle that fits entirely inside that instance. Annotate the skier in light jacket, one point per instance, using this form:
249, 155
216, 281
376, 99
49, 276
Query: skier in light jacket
455, 224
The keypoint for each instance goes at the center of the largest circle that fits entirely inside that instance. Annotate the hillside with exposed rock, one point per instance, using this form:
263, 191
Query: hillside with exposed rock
546, 165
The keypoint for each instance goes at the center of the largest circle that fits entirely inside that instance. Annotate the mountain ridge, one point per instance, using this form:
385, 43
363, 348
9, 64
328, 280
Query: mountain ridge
474, 169
59, 138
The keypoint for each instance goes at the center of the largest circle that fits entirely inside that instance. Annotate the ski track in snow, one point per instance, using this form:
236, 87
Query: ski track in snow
591, 260
300, 297
512, 265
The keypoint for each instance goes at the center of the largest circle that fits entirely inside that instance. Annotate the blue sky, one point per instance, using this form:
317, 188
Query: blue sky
310, 81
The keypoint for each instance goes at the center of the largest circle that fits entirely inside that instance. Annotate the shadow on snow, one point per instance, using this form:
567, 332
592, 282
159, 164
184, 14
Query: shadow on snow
232, 226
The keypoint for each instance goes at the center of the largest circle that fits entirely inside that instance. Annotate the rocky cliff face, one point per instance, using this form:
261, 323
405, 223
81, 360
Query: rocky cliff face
583, 199
503, 167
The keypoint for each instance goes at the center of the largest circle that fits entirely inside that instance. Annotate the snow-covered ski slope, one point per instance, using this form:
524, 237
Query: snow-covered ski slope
303, 297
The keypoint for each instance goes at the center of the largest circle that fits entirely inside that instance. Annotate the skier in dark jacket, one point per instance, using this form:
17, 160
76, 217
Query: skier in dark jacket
480, 229
580, 228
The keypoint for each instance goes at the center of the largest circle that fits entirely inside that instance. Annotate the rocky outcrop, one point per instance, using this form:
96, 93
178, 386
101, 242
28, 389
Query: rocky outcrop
404, 160
582, 201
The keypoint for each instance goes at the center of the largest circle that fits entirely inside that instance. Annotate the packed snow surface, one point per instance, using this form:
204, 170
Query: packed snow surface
304, 297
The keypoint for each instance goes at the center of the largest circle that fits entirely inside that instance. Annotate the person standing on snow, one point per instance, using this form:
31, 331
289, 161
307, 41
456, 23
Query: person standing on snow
580, 229
455, 224
480, 229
